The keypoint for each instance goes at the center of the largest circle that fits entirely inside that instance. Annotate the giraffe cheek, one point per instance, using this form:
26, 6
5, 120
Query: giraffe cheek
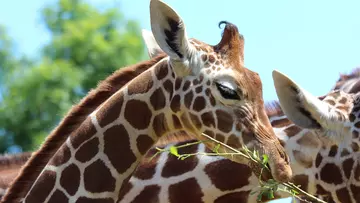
199, 103
208, 119
224, 121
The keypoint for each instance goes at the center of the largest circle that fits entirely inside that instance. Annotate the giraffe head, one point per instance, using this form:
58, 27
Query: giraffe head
213, 92
333, 116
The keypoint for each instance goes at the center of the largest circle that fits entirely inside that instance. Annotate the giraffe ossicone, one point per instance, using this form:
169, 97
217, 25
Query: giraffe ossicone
197, 88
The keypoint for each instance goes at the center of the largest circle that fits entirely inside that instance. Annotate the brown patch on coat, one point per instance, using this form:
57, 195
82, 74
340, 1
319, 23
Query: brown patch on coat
357, 172
180, 193
82, 134
199, 103
126, 186
331, 174
160, 125
347, 167
208, 119
133, 109
111, 110
97, 200
333, 151
234, 197
343, 195
228, 175
143, 143
176, 122
175, 103
302, 180
150, 194
186, 85
175, 167
88, 150
281, 123
318, 160
168, 86
39, 192
195, 120
142, 84
161, 71
157, 99
233, 141
188, 99
70, 179
58, 196
224, 121
63, 156
147, 166
356, 192
117, 148
98, 178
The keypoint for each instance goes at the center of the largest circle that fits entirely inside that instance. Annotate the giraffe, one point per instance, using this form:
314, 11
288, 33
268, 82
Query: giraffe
16, 163
115, 138
321, 136
131, 72
295, 137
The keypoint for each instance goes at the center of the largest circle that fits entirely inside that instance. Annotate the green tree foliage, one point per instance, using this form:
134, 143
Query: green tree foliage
86, 46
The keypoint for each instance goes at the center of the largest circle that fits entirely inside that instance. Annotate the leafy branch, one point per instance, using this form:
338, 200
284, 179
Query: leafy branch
267, 188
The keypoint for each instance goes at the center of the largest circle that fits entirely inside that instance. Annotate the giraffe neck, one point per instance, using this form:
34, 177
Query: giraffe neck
111, 141
70, 123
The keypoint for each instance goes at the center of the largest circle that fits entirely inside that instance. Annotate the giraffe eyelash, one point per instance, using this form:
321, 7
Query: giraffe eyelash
227, 92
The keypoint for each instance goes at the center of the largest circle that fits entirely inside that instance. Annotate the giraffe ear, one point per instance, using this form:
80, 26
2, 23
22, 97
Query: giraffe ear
169, 32
151, 44
302, 108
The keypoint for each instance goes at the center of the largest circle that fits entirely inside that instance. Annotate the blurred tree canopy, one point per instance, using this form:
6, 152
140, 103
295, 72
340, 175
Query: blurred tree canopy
86, 46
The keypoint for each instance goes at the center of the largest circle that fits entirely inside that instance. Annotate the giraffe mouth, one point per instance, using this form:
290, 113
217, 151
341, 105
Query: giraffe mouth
279, 166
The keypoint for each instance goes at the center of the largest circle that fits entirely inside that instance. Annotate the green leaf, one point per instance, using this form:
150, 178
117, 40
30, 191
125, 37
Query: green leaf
259, 197
270, 194
265, 159
216, 148
174, 151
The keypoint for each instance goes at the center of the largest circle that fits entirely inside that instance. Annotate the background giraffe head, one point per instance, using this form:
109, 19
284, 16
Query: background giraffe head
330, 145
336, 112
214, 93
349, 82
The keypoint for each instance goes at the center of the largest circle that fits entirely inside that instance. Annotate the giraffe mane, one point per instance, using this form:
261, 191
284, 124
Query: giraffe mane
354, 74
273, 108
73, 119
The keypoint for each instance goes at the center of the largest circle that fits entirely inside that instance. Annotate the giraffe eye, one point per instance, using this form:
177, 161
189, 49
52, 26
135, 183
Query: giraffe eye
227, 92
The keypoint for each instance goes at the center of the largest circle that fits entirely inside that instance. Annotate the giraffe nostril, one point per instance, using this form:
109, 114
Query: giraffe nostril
284, 156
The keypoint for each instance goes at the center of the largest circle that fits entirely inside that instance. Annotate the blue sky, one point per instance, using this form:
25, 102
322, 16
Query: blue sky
310, 41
